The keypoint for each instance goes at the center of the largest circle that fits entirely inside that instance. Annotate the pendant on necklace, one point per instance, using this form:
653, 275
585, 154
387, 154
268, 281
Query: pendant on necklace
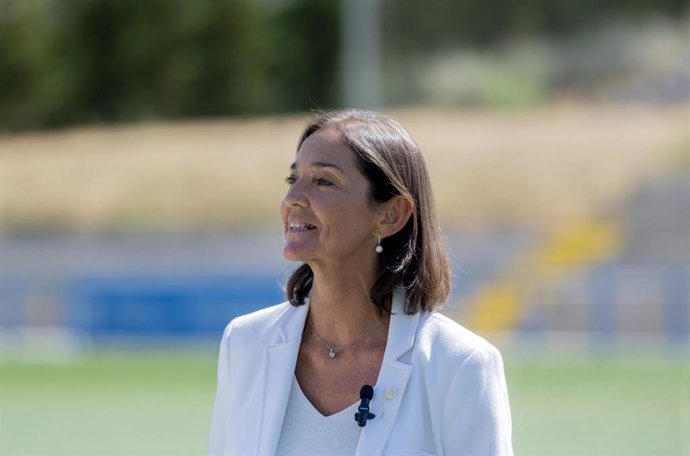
331, 353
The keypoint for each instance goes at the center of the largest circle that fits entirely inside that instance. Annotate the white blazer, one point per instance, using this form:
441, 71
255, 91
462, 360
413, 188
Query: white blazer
441, 389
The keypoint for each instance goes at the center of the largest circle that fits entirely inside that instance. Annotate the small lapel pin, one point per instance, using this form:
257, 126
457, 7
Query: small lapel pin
389, 394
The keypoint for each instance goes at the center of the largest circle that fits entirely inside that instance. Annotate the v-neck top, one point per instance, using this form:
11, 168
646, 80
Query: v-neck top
307, 432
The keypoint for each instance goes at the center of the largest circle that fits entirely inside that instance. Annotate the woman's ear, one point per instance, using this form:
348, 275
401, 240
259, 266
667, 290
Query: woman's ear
396, 213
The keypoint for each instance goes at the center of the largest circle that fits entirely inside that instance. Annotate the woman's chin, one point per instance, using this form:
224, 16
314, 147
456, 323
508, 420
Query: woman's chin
293, 252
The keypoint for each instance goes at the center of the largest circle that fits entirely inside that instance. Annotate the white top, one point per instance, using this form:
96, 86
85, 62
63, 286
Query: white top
307, 432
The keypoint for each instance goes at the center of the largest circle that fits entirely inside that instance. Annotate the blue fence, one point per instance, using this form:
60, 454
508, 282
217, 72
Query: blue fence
186, 306
603, 301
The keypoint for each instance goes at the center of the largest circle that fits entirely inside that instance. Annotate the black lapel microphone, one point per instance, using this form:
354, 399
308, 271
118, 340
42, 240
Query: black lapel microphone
365, 394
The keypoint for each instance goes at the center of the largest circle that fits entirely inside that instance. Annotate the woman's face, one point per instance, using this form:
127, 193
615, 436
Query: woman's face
327, 214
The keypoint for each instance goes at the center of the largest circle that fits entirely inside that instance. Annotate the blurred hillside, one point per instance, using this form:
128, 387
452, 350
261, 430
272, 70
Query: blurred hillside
491, 169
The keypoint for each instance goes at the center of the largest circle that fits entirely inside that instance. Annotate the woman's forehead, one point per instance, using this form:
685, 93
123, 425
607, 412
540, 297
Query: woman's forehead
324, 149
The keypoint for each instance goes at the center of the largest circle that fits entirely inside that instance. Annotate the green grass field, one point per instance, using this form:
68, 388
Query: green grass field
160, 403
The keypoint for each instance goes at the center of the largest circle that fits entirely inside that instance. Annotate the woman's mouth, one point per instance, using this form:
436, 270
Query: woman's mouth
292, 226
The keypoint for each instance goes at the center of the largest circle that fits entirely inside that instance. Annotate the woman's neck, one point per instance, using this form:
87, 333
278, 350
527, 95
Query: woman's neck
340, 306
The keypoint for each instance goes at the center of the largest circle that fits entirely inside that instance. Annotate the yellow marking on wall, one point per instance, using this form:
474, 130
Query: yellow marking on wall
501, 304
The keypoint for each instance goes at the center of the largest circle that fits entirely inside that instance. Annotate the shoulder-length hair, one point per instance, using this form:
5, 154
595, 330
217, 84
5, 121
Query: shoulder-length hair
415, 257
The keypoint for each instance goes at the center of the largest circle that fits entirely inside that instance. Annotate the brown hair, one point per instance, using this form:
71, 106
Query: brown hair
415, 257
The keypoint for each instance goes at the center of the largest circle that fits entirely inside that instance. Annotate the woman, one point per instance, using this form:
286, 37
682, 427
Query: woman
359, 214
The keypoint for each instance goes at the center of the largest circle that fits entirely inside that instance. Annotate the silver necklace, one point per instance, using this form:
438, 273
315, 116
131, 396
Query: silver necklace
334, 350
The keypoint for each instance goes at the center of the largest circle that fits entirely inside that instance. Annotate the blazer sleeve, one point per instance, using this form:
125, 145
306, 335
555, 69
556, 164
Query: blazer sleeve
476, 417
219, 424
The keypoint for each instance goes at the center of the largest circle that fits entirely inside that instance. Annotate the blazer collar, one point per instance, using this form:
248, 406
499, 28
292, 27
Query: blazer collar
392, 380
279, 360
403, 328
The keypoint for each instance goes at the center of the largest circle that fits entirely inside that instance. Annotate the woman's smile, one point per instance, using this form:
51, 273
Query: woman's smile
298, 227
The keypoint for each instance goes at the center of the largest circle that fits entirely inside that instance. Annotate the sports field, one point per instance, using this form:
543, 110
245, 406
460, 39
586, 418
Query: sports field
146, 403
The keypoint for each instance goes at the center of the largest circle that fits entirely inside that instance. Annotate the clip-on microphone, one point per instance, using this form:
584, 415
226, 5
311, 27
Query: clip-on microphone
365, 394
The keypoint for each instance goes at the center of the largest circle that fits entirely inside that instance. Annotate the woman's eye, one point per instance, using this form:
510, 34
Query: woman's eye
323, 182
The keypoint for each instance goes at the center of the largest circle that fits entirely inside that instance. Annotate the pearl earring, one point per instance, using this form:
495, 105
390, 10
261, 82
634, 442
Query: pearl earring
379, 247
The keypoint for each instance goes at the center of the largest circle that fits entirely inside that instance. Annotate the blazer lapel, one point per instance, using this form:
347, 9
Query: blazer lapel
392, 381
278, 368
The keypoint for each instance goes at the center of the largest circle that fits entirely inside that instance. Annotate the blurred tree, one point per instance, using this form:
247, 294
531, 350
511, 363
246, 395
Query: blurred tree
69, 61
231, 59
34, 84
166, 57
305, 44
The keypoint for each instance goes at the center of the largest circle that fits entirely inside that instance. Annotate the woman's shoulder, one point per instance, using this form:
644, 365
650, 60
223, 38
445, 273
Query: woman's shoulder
257, 321
444, 335
261, 316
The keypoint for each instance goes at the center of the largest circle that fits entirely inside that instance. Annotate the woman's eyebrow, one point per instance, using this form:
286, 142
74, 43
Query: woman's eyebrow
293, 166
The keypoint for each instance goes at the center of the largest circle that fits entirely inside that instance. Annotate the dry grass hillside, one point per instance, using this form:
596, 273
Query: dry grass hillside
513, 169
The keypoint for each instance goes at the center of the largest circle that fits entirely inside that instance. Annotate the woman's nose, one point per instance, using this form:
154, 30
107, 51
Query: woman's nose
296, 195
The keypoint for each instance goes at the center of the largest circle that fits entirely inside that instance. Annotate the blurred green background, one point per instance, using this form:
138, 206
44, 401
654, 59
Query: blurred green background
157, 403
143, 145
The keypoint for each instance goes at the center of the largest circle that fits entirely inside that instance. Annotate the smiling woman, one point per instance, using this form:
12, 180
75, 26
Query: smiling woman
360, 311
